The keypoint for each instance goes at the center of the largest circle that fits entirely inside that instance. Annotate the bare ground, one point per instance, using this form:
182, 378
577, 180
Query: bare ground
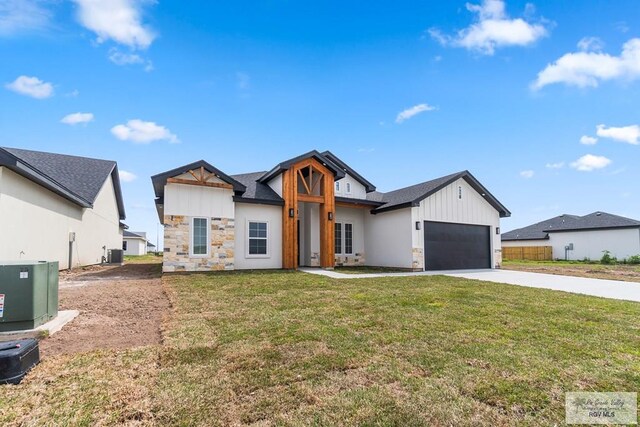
627, 273
120, 307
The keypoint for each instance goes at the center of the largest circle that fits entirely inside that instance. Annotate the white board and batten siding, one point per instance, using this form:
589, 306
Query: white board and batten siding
276, 184
446, 206
358, 191
36, 223
198, 200
272, 215
388, 239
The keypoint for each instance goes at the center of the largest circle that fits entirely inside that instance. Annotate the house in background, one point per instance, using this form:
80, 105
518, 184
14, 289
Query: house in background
151, 248
57, 207
314, 210
134, 242
578, 237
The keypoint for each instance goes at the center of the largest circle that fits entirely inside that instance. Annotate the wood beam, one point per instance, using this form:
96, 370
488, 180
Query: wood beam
204, 184
304, 182
310, 198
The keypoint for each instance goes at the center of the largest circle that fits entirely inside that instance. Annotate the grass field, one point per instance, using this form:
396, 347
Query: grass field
143, 259
276, 348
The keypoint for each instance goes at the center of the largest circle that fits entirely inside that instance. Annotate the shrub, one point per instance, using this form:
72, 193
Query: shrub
607, 258
634, 259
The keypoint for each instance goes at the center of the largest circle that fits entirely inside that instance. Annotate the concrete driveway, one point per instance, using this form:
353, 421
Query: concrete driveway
615, 289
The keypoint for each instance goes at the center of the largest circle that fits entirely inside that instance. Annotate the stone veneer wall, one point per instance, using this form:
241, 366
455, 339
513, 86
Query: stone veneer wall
417, 263
356, 259
177, 238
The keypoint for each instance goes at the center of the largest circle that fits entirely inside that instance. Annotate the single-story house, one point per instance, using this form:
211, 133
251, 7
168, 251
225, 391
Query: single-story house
576, 237
134, 242
56, 207
151, 248
314, 210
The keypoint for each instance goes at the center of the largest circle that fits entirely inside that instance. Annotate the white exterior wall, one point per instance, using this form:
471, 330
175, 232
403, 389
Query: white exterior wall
276, 184
197, 200
265, 213
36, 223
445, 206
135, 246
388, 241
358, 191
353, 216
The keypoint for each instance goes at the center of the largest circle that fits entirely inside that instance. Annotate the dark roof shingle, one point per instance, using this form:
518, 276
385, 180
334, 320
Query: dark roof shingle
566, 222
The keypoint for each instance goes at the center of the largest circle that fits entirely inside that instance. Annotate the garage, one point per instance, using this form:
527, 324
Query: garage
450, 246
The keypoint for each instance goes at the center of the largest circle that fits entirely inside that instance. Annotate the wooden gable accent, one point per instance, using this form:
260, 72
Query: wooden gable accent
292, 195
201, 177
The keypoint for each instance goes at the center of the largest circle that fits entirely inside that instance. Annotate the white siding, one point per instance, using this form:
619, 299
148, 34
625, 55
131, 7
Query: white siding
388, 241
445, 206
358, 190
276, 184
135, 246
271, 214
198, 200
622, 243
35, 223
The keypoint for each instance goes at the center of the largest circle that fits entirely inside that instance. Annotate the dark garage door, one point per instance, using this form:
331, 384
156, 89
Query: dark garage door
456, 246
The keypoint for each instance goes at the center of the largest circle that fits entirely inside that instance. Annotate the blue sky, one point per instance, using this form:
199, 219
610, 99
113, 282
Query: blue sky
402, 91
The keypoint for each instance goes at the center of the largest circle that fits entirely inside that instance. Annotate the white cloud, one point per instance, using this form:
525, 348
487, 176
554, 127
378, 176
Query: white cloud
117, 20
589, 162
410, 112
126, 176
122, 58
31, 86
493, 29
19, 16
588, 140
590, 44
142, 132
588, 69
558, 165
628, 134
76, 118
527, 174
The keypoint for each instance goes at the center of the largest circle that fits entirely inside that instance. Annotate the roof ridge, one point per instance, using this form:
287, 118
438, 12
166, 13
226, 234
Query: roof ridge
59, 154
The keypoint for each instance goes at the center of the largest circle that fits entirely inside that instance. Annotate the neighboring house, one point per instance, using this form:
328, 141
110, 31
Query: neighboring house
314, 210
56, 207
151, 248
134, 243
588, 236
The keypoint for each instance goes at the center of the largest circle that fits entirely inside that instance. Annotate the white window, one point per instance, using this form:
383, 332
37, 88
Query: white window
348, 188
199, 237
257, 239
337, 186
343, 239
348, 239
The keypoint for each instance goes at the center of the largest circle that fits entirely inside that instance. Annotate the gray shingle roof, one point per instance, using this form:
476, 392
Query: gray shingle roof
412, 195
256, 191
126, 233
593, 221
78, 179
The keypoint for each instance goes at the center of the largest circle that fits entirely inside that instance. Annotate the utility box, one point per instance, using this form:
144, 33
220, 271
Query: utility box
115, 256
28, 294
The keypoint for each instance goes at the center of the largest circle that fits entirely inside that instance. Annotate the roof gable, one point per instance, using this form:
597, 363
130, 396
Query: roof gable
412, 196
283, 166
78, 179
160, 180
369, 187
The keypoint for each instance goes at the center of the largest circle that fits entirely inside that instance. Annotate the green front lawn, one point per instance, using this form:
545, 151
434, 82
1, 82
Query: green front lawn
276, 348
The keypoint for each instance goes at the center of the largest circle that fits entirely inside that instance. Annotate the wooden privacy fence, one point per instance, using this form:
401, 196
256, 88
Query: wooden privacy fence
528, 253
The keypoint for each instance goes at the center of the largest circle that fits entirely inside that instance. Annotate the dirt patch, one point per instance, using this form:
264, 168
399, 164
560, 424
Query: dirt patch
627, 273
120, 307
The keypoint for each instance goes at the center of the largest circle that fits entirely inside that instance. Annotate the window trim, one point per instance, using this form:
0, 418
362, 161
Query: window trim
341, 238
344, 238
247, 238
192, 222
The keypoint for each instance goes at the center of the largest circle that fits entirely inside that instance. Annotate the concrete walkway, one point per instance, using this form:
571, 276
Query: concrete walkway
614, 289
